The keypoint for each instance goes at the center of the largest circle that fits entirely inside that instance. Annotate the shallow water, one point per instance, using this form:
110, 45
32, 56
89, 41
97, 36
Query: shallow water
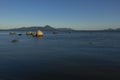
74, 56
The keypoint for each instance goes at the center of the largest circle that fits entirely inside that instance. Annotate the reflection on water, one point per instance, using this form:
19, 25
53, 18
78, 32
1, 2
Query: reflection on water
83, 55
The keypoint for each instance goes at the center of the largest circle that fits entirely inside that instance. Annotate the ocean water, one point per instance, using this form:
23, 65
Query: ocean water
63, 56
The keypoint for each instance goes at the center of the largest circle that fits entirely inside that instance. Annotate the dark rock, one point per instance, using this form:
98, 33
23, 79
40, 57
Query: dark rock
20, 34
55, 32
14, 41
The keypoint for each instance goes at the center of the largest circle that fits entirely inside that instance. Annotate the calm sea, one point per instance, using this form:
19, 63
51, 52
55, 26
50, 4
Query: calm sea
63, 56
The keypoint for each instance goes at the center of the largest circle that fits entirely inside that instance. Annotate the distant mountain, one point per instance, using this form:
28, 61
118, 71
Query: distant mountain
45, 28
113, 30
49, 28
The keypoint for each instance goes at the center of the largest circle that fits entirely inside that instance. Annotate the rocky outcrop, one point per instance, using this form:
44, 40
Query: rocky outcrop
29, 33
39, 33
12, 33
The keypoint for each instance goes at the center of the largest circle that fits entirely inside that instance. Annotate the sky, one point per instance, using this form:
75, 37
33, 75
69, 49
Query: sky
75, 14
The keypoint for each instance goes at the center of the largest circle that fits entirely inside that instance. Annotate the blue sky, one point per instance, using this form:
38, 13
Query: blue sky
76, 14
